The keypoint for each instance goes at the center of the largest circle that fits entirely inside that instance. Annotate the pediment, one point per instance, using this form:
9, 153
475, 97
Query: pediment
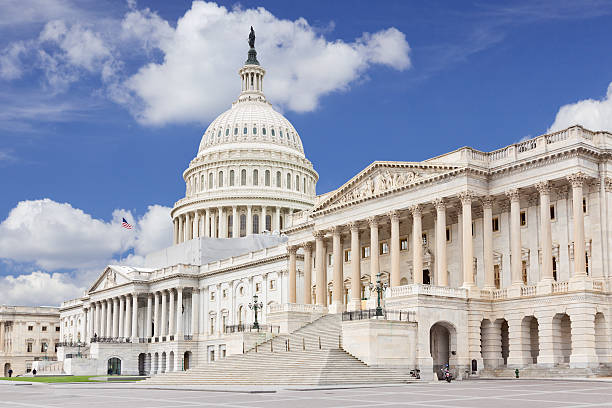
380, 178
111, 277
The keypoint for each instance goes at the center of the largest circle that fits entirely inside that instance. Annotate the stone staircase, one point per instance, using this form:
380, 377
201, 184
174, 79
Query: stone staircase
303, 364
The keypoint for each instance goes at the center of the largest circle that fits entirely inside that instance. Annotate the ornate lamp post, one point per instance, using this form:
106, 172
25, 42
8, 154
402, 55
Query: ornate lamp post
255, 306
379, 288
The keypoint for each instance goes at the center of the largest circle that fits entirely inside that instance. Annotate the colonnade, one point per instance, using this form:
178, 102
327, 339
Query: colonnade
415, 213
215, 222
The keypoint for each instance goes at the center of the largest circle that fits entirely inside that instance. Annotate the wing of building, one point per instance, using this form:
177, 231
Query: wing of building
485, 260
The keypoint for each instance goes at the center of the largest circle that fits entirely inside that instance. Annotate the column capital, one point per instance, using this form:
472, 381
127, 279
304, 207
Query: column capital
394, 215
487, 202
608, 184
353, 226
543, 187
416, 210
307, 246
373, 221
320, 234
466, 197
513, 194
577, 179
292, 249
440, 204
336, 230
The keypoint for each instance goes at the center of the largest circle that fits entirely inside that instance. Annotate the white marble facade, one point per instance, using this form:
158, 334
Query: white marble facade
511, 249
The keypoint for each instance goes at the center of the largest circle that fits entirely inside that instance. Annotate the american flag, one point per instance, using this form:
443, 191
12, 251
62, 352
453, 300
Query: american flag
125, 224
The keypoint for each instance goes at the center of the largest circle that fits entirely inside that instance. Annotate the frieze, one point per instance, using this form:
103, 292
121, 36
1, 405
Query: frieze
378, 184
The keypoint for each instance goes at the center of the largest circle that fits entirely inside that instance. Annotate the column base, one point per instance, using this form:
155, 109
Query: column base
354, 304
545, 286
336, 308
515, 290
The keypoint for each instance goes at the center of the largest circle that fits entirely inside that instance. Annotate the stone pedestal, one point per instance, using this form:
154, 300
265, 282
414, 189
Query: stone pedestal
381, 343
236, 343
292, 316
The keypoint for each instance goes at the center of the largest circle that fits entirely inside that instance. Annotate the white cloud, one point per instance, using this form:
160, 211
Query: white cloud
591, 113
38, 288
58, 236
197, 77
10, 61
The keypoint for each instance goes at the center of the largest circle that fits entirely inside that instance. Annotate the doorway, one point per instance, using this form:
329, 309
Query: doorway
114, 366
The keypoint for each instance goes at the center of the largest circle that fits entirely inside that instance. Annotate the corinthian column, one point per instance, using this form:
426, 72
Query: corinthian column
321, 279
338, 283
292, 273
176, 230
207, 224
196, 225
577, 181
395, 248
355, 303
516, 261
417, 245
307, 273
121, 317
115, 328
134, 315
374, 253
487, 242
249, 220
545, 231
235, 224
181, 230
188, 226
441, 264
468, 245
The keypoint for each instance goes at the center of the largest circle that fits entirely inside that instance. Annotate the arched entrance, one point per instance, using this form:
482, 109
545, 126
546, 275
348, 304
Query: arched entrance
7, 367
186, 360
601, 343
171, 361
163, 362
562, 335
442, 341
114, 366
531, 339
141, 363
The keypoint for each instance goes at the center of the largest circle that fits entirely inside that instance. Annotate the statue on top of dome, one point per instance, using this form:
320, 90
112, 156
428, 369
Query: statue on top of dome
252, 38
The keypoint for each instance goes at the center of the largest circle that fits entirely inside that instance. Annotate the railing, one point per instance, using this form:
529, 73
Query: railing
420, 289
396, 315
188, 337
113, 340
526, 145
528, 290
557, 137
598, 286
71, 344
499, 294
560, 287
244, 328
298, 307
144, 340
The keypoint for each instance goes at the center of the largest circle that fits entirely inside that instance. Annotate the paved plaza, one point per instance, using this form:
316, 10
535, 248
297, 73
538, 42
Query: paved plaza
482, 393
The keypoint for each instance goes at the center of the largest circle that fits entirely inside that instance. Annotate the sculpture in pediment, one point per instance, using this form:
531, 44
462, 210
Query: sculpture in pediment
111, 279
378, 184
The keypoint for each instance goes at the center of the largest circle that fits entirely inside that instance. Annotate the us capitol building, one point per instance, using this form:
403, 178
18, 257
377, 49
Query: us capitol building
487, 261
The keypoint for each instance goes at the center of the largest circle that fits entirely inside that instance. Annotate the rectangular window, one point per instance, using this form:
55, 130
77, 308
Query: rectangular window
384, 248
43, 347
212, 295
424, 238
347, 255
224, 293
497, 276
57, 329
524, 271
30, 328
448, 234
258, 287
552, 212
29, 347
272, 284
584, 205
523, 219
554, 268
473, 227
330, 259
495, 224
365, 252
404, 244
44, 328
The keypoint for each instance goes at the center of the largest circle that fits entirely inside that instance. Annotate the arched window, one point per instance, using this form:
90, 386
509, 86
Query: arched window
227, 132
243, 177
202, 182
288, 181
278, 179
230, 226
263, 131
281, 134
267, 179
235, 131
220, 180
210, 181
219, 134
255, 177
304, 184
231, 180
268, 223
243, 222
254, 130
297, 183
255, 224
273, 133
244, 131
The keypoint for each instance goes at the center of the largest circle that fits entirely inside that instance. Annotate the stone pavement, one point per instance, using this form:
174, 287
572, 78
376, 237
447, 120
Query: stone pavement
475, 393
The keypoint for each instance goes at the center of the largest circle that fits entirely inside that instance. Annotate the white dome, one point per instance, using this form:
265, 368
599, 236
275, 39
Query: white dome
250, 120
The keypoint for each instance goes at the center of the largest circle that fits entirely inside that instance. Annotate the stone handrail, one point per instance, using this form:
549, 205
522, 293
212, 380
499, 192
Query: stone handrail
297, 307
598, 286
499, 294
419, 289
528, 290
560, 287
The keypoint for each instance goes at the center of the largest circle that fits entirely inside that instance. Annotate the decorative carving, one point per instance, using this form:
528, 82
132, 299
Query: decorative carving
577, 179
336, 230
373, 222
111, 279
318, 234
394, 215
608, 184
292, 249
533, 200
440, 204
487, 202
416, 210
543, 187
466, 197
353, 226
513, 194
378, 184
307, 246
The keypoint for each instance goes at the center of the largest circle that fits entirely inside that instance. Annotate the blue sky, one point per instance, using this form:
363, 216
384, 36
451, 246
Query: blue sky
83, 126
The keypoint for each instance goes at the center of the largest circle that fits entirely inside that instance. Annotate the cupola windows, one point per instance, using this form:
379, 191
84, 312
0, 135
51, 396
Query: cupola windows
278, 179
227, 132
255, 178
273, 133
267, 178
210, 181
254, 130
235, 131
244, 131
231, 178
263, 131
288, 181
220, 181
243, 177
